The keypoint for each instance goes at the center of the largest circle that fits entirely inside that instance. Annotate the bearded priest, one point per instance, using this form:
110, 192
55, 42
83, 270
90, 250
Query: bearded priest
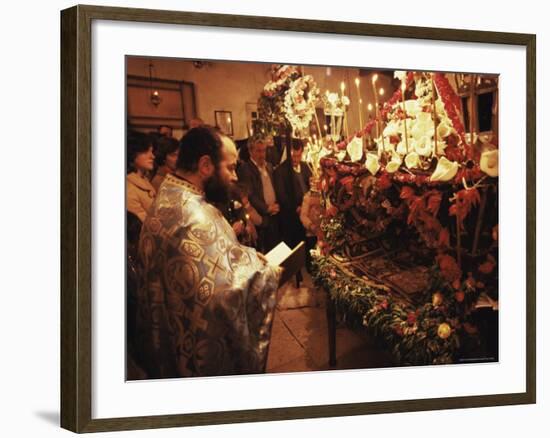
205, 302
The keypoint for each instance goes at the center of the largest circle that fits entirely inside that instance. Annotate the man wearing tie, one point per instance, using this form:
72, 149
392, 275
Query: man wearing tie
257, 175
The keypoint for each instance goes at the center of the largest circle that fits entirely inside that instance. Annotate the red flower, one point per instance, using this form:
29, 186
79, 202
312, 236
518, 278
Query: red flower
434, 201
449, 267
464, 201
487, 267
444, 238
406, 193
470, 282
384, 182
384, 304
411, 318
347, 182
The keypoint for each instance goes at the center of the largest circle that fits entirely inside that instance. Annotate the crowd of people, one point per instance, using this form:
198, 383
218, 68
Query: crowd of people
201, 212
265, 203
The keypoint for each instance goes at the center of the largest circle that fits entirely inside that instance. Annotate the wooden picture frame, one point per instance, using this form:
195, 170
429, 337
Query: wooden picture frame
76, 217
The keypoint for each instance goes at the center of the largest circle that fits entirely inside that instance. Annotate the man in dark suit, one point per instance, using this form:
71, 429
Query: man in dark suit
272, 154
257, 175
291, 184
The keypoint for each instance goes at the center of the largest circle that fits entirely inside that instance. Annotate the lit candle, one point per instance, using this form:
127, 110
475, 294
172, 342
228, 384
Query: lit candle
472, 111
342, 88
382, 121
374, 79
369, 108
359, 104
403, 88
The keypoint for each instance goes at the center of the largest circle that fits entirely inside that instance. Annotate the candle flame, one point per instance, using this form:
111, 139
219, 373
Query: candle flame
357, 81
381, 92
369, 106
342, 86
374, 78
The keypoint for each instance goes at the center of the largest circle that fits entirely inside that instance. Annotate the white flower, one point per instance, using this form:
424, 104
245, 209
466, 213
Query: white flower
341, 155
389, 146
401, 148
345, 100
379, 146
422, 126
332, 98
425, 117
372, 163
441, 145
445, 170
324, 152
400, 74
444, 130
412, 160
393, 128
422, 146
355, 149
394, 164
488, 162
413, 107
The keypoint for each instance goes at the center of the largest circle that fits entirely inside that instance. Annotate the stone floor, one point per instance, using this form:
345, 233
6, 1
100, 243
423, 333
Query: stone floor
299, 338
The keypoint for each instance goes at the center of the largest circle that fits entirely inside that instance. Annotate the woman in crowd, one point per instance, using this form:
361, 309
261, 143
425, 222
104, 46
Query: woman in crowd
166, 157
140, 163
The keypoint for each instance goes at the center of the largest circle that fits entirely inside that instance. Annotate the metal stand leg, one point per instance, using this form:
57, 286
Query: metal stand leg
331, 324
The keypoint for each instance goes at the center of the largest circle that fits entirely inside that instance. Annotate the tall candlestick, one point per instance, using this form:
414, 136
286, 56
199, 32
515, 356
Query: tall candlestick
472, 110
381, 121
342, 89
434, 116
359, 102
403, 88
369, 108
374, 78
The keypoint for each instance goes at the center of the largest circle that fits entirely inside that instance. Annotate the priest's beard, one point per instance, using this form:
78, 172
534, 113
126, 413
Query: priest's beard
216, 191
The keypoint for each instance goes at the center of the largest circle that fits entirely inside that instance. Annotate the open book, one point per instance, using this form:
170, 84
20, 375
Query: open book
291, 260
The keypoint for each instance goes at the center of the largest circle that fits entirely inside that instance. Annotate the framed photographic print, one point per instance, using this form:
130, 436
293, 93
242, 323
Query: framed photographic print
224, 121
408, 174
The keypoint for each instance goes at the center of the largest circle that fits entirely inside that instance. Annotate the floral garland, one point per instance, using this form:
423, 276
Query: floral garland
432, 186
300, 101
334, 104
431, 333
271, 111
426, 333
281, 77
